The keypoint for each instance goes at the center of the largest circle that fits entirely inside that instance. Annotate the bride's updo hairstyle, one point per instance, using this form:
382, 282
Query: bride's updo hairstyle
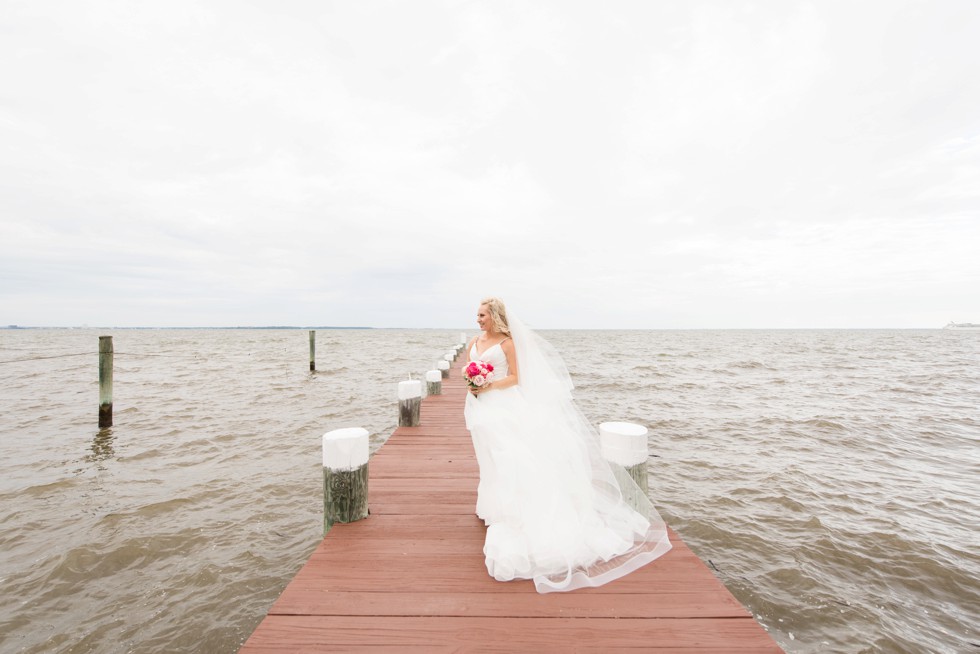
498, 312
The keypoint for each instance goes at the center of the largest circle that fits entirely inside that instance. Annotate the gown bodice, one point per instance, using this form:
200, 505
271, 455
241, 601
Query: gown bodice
494, 355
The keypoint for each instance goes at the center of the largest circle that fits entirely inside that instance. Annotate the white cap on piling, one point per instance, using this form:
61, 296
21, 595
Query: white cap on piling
624, 443
409, 389
443, 365
345, 449
433, 376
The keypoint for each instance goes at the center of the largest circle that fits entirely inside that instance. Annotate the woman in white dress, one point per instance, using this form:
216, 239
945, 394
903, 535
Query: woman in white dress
554, 508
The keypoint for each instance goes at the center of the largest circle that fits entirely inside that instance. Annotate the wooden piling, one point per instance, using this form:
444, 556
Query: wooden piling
312, 350
105, 382
625, 444
345, 476
409, 403
433, 382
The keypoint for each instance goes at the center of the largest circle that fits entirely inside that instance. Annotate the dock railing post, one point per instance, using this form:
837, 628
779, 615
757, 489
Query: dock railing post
409, 402
433, 382
105, 382
345, 476
625, 444
443, 367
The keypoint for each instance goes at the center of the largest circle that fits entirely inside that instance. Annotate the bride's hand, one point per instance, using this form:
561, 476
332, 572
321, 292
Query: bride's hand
477, 391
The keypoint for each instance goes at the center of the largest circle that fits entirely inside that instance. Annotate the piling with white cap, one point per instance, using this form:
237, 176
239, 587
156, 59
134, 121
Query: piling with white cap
625, 444
433, 382
409, 402
443, 367
345, 476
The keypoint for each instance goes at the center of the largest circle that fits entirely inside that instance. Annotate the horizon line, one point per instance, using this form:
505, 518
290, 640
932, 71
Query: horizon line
14, 327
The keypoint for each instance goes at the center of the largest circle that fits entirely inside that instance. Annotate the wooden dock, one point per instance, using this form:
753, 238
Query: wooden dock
411, 577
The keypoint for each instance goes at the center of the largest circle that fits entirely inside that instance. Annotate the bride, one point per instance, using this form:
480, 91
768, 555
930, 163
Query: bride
554, 508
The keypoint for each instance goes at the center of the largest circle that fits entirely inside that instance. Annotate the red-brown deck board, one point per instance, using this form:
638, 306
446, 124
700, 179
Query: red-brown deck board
411, 577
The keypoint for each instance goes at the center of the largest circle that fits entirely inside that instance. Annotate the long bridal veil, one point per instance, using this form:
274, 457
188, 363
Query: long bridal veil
620, 538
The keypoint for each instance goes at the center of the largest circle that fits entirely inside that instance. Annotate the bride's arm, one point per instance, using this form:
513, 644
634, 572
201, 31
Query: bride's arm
469, 348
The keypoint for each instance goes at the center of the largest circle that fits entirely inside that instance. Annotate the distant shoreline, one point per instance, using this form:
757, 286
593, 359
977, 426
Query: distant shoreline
19, 327
587, 329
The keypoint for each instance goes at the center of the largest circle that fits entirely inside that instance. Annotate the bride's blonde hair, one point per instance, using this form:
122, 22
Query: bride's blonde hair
498, 312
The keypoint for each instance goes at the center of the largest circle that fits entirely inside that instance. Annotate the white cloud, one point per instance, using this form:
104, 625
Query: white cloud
707, 164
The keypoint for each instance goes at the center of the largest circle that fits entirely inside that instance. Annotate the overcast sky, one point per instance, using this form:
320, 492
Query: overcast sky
596, 164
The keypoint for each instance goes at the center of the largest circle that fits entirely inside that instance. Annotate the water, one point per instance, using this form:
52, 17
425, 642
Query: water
829, 477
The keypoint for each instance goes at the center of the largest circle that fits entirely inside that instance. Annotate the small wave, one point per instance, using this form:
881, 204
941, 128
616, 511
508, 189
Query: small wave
822, 424
52, 488
750, 365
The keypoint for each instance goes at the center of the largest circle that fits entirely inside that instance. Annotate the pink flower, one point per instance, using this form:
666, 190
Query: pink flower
478, 373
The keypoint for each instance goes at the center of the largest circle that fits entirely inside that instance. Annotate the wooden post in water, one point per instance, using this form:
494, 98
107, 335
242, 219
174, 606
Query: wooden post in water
345, 476
433, 382
105, 382
443, 367
312, 350
409, 403
625, 444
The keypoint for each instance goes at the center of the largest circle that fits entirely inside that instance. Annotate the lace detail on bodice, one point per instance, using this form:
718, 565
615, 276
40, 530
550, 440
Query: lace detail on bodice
494, 355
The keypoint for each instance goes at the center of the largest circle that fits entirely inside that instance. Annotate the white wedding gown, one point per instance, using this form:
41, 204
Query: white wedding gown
553, 507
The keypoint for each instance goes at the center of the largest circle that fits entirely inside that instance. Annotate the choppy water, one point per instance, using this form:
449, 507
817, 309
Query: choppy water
830, 477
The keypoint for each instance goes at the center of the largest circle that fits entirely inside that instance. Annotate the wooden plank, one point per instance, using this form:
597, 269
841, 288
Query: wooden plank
468, 574
328, 633
319, 601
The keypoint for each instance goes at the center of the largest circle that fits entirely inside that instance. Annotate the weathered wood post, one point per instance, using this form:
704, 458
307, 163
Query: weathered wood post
345, 476
443, 367
312, 350
105, 382
409, 402
433, 382
625, 444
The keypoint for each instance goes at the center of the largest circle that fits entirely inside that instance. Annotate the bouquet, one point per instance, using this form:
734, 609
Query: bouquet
478, 373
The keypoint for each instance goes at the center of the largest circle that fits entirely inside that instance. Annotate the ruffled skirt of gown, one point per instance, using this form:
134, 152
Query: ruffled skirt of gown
553, 507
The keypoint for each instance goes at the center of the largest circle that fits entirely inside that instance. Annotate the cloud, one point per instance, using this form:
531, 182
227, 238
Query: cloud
709, 164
